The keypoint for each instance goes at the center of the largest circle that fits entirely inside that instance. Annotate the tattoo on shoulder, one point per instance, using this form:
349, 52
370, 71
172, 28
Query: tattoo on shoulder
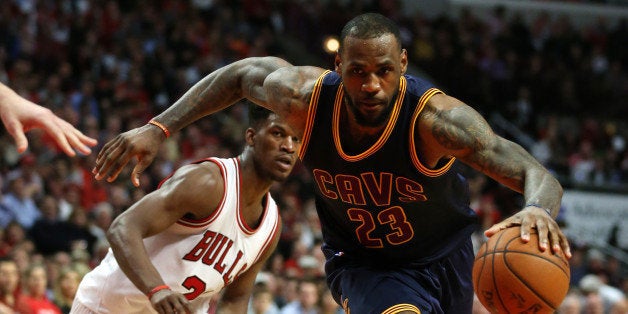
458, 128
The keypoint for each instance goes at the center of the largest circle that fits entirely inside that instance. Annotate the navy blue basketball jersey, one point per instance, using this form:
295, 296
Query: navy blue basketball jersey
383, 205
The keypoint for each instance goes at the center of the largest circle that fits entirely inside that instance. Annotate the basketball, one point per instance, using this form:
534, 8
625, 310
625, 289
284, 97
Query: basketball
510, 276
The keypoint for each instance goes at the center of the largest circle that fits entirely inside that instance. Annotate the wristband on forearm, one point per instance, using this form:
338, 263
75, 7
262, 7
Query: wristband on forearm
549, 212
161, 126
156, 289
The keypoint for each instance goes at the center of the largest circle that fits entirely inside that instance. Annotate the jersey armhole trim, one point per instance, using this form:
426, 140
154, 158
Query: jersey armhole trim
311, 114
413, 150
270, 238
201, 223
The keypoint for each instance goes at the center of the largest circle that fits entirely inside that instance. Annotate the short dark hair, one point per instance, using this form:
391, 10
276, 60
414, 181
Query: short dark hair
258, 115
369, 25
7, 259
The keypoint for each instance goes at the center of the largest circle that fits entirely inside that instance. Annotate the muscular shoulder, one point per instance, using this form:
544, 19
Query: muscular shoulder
289, 91
197, 187
452, 128
298, 78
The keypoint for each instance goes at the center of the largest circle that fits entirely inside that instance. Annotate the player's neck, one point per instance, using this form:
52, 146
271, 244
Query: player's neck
256, 186
355, 136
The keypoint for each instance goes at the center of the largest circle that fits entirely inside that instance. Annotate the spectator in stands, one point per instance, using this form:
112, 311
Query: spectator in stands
24, 255
597, 292
593, 303
327, 303
65, 287
77, 229
9, 285
56, 184
613, 272
14, 236
100, 218
262, 300
6, 215
68, 235
20, 202
34, 299
596, 261
582, 163
307, 301
577, 264
289, 291
48, 225
572, 303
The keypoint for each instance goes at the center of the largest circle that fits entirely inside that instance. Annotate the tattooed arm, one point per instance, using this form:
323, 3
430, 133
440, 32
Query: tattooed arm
266, 81
448, 127
222, 88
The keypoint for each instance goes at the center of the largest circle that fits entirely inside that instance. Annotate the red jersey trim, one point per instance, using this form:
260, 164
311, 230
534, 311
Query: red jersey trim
200, 223
382, 139
270, 238
413, 151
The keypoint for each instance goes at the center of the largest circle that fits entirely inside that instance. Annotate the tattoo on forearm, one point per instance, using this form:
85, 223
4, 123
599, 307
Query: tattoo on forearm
465, 130
510, 169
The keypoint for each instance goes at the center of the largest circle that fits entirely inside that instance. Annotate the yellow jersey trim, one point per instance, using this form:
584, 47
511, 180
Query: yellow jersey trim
382, 138
402, 307
311, 114
413, 151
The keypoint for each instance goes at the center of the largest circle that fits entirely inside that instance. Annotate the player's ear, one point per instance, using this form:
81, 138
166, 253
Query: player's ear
249, 135
404, 61
337, 63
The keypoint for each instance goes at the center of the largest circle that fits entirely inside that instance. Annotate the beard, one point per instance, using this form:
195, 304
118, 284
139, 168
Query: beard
370, 120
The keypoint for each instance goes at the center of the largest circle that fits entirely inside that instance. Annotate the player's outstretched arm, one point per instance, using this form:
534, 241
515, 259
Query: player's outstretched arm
455, 129
218, 90
20, 115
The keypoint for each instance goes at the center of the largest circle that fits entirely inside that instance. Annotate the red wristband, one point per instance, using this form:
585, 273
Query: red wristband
161, 126
156, 289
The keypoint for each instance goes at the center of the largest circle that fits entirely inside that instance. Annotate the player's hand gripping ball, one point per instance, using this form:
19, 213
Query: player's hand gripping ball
511, 276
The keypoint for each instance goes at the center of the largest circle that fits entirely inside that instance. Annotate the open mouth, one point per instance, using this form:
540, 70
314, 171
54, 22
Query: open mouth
284, 162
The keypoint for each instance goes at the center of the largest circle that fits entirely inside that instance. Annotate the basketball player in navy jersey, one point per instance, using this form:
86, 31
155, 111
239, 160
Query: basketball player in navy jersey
380, 146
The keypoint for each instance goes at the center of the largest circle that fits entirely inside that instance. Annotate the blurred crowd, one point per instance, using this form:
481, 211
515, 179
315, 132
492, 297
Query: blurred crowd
108, 66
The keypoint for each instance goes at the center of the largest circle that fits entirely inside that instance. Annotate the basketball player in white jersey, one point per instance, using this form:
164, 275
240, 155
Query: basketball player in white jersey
208, 229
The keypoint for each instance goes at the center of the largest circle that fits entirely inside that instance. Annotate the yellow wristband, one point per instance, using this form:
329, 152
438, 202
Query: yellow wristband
161, 126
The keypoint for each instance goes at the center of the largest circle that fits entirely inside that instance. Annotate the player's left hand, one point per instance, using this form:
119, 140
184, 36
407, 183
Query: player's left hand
167, 302
547, 228
141, 143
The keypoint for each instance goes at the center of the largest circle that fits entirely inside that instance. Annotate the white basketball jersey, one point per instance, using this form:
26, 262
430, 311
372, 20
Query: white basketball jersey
194, 257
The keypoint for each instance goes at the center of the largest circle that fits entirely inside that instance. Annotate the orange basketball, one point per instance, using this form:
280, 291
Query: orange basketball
510, 276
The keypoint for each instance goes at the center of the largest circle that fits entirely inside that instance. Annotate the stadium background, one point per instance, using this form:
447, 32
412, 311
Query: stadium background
550, 75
